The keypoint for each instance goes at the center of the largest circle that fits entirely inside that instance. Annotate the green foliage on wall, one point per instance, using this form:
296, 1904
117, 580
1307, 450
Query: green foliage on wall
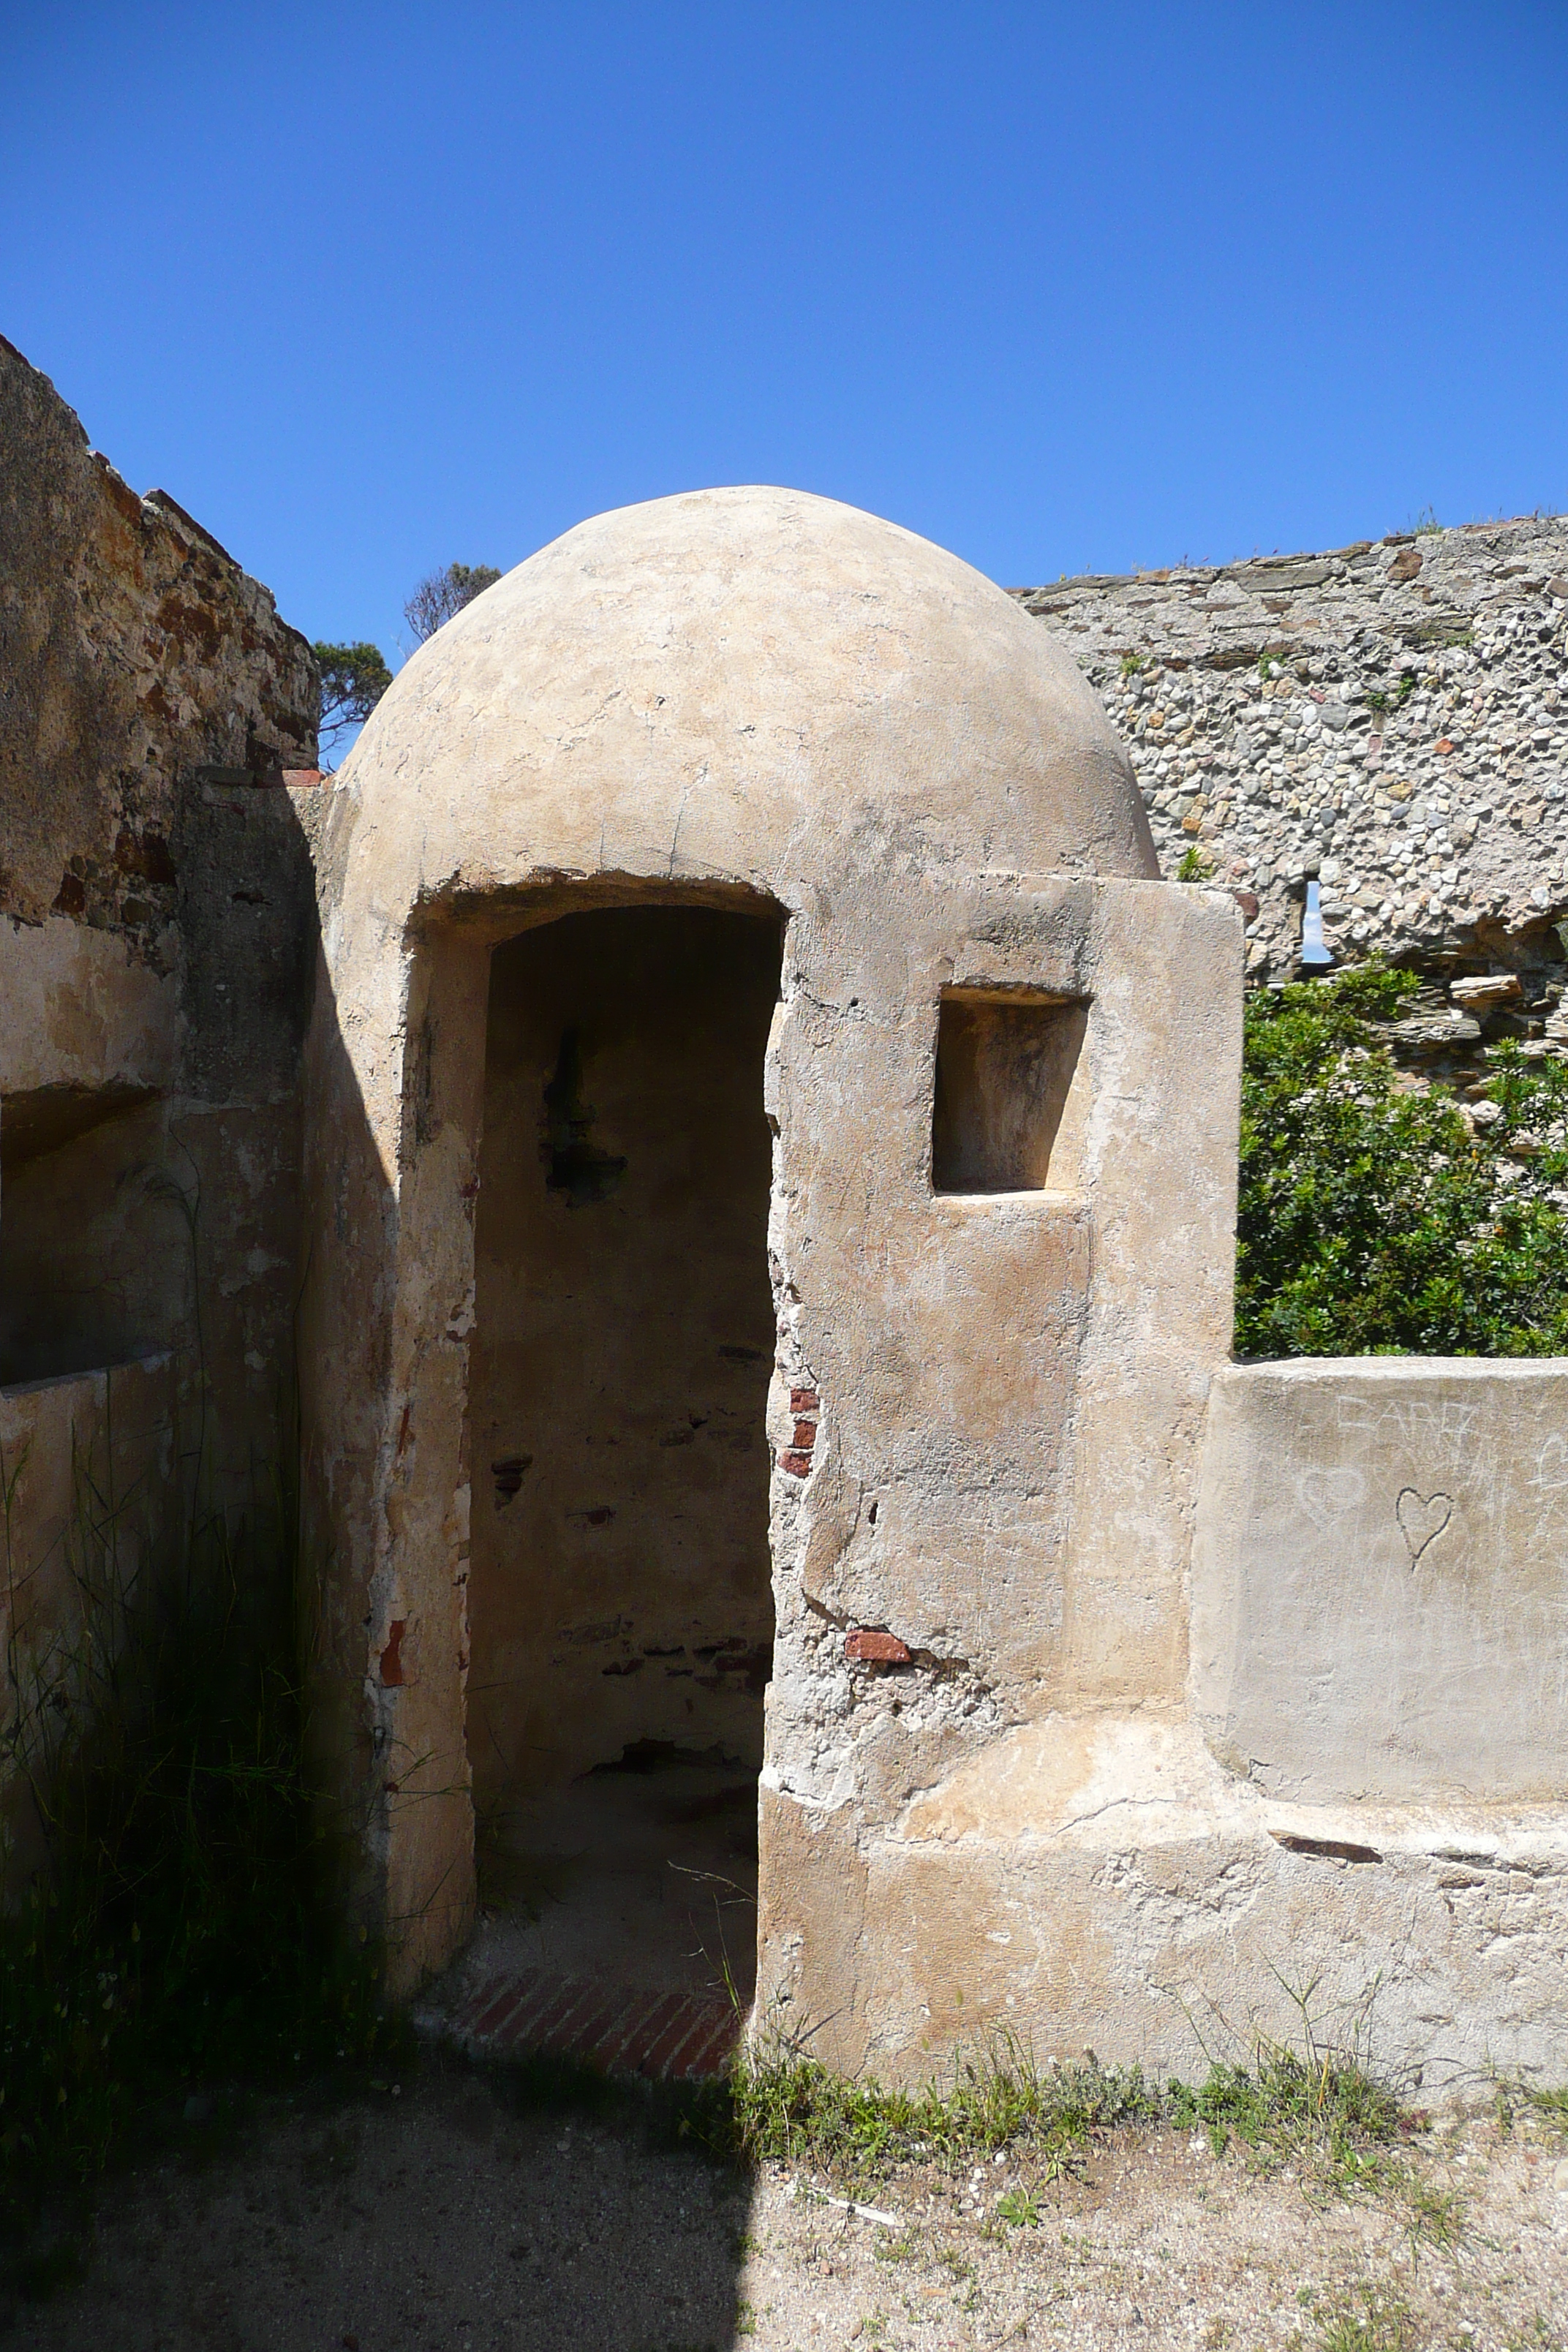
1372, 1220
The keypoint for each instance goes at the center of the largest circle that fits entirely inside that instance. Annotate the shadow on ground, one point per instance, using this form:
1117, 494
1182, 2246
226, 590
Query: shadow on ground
476, 2211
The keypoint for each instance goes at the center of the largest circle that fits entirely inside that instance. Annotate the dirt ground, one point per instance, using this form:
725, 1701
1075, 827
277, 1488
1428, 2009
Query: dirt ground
455, 2217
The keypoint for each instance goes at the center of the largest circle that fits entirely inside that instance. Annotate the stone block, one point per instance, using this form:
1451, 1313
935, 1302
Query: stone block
1378, 1582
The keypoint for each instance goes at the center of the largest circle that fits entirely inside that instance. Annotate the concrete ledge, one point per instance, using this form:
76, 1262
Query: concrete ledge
1102, 1882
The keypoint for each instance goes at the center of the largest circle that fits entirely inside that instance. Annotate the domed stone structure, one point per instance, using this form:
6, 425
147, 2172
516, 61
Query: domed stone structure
766, 1242
742, 683
770, 1170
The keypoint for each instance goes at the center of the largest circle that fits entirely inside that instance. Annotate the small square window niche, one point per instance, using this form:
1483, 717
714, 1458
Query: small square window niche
1011, 1091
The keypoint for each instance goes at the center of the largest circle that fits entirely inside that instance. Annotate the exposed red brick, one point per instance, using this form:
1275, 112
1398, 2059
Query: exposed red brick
549, 2031
522, 2025
882, 1649
806, 1435
797, 1463
392, 1674
622, 2016
595, 2018
490, 2016
689, 2030
804, 1401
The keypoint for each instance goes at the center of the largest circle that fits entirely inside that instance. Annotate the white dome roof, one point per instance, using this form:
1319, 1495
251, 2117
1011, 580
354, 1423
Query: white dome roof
726, 685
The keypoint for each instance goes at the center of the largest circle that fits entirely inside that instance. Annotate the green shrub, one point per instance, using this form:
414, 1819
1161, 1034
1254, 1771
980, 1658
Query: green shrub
1372, 1221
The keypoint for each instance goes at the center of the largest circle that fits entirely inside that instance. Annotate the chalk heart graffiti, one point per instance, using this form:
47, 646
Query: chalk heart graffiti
1422, 1519
1327, 1495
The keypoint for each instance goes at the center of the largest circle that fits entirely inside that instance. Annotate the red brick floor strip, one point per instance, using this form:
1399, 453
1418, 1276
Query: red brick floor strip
626, 2030
592, 2023
608, 2032
522, 2023
499, 2003
628, 2025
649, 2018
709, 2056
677, 2064
548, 2030
665, 2047
585, 2017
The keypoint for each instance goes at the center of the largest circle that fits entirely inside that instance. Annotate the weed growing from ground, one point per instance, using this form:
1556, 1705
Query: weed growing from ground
1317, 2107
1318, 2110
792, 2110
1374, 2320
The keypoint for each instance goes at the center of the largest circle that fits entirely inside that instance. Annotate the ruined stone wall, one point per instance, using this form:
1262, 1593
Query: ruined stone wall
157, 929
1390, 718
139, 661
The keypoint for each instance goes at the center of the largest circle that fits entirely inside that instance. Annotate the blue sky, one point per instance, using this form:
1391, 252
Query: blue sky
369, 288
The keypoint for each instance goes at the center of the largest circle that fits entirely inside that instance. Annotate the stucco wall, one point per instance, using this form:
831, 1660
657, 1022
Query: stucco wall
757, 698
1362, 1819
987, 1799
157, 943
1379, 1593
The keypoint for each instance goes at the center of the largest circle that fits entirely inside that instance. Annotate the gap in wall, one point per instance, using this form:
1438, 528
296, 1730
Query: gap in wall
1010, 1097
94, 1259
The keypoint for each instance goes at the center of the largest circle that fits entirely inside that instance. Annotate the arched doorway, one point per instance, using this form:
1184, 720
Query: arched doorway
620, 1608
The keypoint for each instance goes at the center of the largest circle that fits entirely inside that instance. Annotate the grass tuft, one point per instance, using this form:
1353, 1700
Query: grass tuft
791, 2109
1323, 2107
1372, 2320
1323, 2112
1552, 2105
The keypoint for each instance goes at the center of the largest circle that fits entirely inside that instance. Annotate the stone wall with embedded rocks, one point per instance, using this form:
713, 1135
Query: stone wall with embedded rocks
140, 663
1391, 718
157, 954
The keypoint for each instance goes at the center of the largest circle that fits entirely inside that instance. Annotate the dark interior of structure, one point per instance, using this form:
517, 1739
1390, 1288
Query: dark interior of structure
94, 1258
620, 1604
